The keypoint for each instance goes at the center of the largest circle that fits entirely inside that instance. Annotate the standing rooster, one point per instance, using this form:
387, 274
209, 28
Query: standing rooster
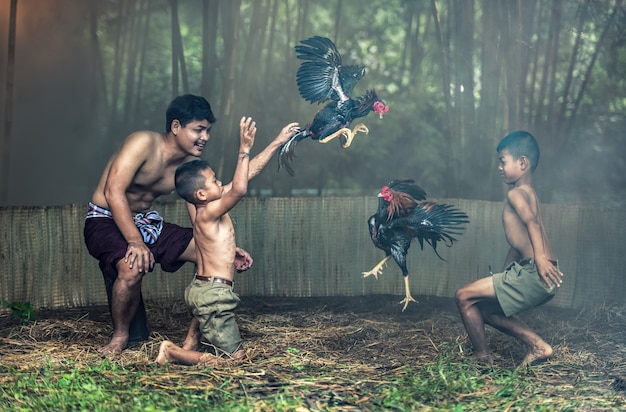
401, 217
322, 77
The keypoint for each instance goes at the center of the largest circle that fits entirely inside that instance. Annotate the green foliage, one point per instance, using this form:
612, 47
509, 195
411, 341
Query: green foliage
23, 311
447, 384
457, 76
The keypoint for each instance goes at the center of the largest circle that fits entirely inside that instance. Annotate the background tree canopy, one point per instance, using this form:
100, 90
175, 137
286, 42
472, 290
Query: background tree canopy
78, 76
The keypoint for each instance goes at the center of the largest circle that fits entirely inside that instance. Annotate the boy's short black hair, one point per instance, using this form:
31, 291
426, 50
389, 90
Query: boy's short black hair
189, 178
521, 143
187, 108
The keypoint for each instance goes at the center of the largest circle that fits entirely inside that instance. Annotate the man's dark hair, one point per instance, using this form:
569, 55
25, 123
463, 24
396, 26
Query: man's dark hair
189, 178
521, 143
187, 108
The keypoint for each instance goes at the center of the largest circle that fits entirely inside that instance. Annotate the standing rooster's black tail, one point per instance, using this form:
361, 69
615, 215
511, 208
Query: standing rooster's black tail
434, 222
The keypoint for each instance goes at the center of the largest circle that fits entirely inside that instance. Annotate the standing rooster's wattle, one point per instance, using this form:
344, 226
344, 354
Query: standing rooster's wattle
322, 77
403, 215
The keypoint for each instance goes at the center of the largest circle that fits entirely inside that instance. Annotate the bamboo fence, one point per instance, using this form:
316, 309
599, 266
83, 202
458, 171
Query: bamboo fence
311, 246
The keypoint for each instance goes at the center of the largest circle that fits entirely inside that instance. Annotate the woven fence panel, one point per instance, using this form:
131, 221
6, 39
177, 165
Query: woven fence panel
311, 247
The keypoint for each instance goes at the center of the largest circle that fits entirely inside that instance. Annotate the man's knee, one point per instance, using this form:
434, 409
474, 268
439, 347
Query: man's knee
129, 276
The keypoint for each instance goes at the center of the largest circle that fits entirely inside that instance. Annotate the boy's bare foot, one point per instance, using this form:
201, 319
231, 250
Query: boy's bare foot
162, 357
538, 353
192, 343
115, 346
208, 359
486, 360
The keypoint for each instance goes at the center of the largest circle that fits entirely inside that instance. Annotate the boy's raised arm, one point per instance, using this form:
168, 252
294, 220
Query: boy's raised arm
237, 189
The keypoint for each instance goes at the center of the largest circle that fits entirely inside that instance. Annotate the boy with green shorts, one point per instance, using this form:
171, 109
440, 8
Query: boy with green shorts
531, 273
210, 295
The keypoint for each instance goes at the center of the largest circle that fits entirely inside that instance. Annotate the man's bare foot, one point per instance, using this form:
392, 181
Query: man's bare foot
538, 353
162, 357
115, 346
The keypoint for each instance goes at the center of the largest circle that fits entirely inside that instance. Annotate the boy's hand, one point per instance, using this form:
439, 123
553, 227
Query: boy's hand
247, 132
549, 274
287, 132
243, 260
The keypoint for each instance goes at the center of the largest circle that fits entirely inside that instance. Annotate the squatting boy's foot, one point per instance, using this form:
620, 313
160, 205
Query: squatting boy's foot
537, 354
486, 360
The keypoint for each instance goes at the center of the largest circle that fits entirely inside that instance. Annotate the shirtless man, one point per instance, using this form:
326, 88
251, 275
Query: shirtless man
531, 274
121, 231
210, 295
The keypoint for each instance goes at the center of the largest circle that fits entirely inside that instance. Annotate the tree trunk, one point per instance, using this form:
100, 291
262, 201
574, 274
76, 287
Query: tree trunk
251, 58
554, 36
134, 37
142, 62
178, 54
565, 94
210, 9
444, 59
587, 76
269, 57
230, 26
120, 47
337, 21
8, 107
99, 94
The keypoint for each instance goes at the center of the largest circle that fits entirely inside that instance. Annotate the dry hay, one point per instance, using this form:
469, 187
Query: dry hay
358, 342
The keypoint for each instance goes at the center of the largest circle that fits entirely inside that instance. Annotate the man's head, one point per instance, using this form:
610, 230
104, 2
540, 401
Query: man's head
190, 177
187, 108
521, 143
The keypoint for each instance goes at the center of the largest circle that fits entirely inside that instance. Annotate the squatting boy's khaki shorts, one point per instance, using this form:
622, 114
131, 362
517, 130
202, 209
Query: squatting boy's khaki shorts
519, 288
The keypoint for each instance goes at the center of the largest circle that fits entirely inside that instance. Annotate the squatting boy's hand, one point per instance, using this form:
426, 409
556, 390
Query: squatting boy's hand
550, 274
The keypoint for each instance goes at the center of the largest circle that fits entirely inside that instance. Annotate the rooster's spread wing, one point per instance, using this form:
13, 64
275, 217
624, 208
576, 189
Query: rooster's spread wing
321, 76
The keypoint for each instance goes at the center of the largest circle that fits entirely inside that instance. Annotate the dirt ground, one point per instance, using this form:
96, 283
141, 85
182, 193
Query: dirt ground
350, 337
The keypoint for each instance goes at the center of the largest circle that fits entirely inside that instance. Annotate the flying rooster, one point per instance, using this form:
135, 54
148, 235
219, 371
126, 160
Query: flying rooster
404, 214
322, 77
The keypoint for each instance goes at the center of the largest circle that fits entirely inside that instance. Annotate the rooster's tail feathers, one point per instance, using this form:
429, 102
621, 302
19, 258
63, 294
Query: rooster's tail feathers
286, 153
438, 223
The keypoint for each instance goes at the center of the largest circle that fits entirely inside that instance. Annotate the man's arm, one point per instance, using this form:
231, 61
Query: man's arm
192, 212
131, 156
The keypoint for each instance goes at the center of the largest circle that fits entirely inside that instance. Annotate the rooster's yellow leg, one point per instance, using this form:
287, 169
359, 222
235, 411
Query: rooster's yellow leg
407, 290
358, 128
376, 270
343, 131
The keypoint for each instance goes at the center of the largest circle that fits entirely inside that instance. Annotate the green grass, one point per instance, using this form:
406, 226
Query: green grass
446, 385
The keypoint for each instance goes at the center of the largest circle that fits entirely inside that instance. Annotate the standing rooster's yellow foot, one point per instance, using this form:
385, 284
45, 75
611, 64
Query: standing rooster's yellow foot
407, 292
406, 301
